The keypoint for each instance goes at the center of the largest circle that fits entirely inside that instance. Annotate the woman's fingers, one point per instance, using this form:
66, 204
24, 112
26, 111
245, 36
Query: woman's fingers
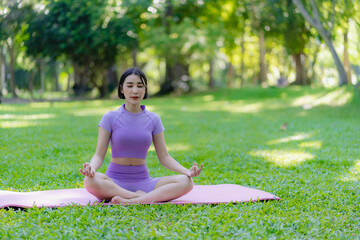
196, 171
201, 167
87, 171
83, 172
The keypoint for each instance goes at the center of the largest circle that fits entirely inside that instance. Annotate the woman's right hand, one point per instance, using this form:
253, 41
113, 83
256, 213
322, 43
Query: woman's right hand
88, 170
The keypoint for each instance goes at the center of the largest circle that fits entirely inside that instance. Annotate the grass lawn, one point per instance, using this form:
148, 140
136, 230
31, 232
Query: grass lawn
313, 164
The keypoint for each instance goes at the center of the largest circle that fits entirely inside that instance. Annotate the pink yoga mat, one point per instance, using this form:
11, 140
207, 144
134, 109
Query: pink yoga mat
201, 194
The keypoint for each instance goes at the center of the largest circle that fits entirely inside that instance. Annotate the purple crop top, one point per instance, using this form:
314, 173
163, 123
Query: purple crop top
131, 133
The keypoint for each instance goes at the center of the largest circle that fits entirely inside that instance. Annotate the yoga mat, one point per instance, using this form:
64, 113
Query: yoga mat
201, 194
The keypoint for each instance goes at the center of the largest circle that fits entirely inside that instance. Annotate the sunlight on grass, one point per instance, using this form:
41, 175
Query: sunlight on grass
233, 107
311, 144
296, 137
41, 105
97, 110
27, 117
247, 108
18, 124
354, 173
283, 158
208, 98
20, 120
337, 97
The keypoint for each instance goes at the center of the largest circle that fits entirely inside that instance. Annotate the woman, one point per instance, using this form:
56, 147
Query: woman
131, 129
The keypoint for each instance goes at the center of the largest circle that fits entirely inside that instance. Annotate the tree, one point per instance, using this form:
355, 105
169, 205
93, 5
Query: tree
316, 22
170, 30
255, 8
234, 15
347, 11
284, 24
90, 34
13, 23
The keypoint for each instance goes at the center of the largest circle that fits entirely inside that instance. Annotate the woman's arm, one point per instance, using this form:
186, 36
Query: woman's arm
167, 161
98, 158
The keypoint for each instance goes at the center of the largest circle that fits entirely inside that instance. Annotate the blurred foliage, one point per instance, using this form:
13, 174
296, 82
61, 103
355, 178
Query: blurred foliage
181, 44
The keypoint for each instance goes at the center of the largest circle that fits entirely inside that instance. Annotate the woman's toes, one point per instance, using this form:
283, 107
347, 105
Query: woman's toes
116, 200
119, 200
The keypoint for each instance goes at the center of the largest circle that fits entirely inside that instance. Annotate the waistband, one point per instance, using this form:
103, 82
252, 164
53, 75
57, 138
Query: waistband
113, 167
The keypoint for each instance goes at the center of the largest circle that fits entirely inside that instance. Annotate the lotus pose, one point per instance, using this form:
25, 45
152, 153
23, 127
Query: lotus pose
131, 129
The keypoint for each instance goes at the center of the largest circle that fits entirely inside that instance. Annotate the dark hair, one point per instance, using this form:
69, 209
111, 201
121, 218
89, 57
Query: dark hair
128, 72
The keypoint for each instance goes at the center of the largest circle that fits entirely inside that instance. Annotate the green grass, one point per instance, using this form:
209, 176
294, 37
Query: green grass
313, 165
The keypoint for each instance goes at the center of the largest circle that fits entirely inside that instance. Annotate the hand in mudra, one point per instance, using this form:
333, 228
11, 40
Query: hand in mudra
194, 171
88, 170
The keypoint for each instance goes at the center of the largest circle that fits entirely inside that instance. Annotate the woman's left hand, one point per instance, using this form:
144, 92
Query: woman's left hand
194, 171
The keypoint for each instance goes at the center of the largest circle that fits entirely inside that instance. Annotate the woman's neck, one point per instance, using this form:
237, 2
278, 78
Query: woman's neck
133, 108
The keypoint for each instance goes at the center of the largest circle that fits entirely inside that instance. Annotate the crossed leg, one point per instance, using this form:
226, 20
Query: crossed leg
168, 188
102, 187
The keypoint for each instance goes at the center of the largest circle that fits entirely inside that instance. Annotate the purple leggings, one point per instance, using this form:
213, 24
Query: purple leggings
132, 178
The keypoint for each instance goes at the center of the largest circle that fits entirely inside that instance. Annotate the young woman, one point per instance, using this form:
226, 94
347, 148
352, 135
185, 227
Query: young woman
131, 129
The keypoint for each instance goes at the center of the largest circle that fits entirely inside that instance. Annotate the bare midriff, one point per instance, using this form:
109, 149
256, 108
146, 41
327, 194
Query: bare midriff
128, 161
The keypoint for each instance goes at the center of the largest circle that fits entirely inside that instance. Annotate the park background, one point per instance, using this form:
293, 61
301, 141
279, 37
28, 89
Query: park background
262, 96
76, 48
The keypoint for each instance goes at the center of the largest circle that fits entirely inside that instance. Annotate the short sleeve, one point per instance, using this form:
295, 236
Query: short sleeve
106, 122
158, 128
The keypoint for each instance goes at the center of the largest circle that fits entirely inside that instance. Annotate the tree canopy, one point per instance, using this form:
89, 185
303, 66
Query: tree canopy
181, 44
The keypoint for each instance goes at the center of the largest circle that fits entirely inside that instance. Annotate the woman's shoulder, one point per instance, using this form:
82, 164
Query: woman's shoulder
152, 115
113, 113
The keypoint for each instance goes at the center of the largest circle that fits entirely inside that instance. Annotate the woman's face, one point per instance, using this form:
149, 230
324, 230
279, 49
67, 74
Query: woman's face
133, 89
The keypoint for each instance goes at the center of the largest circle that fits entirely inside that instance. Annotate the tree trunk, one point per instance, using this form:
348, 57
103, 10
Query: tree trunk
134, 57
104, 84
339, 66
177, 78
76, 74
316, 23
86, 76
230, 75
70, 77
211, 84
300, 70
167, 86
346, 58
263, 71
242, 62
31, 83
12, 70
42, 75
3, 90
81, 79
311, 73
112, 78
54, 74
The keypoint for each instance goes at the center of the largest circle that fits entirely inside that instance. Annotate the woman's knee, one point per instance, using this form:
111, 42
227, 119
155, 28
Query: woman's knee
187, 182
93, 182
89, 182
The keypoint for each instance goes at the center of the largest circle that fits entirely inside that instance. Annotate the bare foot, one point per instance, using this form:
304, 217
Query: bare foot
119, 200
